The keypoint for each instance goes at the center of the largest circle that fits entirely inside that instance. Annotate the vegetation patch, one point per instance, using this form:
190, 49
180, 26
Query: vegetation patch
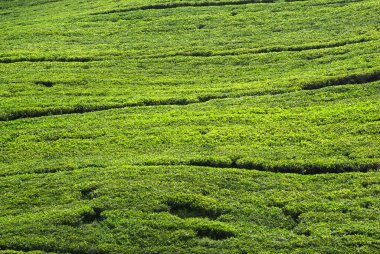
94, 215
214, 233
44, 83
88, 193
192, 206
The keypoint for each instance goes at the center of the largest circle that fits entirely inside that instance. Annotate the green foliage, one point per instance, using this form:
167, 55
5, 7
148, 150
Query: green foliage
189, 126
128, 58
225, 209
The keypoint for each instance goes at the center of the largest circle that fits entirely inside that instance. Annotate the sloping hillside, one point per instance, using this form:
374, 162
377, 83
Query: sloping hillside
188, 126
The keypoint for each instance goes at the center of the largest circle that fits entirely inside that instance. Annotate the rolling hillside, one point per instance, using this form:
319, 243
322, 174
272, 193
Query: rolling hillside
189, 126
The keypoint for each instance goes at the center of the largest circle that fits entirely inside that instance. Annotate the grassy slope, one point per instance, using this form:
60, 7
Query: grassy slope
332, 129
190, 210
193, 53
191, 98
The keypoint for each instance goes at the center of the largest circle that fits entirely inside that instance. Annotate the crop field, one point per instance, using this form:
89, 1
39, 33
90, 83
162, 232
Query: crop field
189, 126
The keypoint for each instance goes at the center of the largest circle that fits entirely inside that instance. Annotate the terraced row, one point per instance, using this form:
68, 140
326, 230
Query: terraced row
179, 209
334, 129
115, 60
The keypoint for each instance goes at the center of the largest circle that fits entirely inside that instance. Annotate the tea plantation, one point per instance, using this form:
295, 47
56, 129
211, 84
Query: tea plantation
189, 126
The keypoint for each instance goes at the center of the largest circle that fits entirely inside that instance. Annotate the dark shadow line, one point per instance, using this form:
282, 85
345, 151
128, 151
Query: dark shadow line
36, 60
262, 50
299, 170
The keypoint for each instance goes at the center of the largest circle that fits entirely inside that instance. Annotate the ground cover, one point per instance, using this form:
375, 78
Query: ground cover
74, 60
232, 126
